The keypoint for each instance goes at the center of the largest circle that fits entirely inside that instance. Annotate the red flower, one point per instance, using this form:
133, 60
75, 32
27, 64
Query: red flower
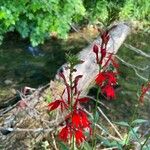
144, 90
76, 80
83, 99
79, 119
79, 136
80, 100
111, 77
109, 91
65, 133
76, 121
100, 78
95, 50
84, 120
105, 38
66, 84
103, 54
56, 104
106, 77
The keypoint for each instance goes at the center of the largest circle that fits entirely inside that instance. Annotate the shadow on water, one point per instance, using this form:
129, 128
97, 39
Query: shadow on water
19, 67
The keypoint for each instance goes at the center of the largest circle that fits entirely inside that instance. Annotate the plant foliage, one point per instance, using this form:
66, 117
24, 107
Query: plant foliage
38, 19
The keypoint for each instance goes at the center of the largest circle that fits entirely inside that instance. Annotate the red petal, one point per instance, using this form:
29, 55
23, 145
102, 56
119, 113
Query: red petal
84, 119
83, 100
100, 78
95, 49
77, 78
63, 105
79, 136
109, 91
144, 90
111, 76
64, 134
105, 37
76, 121
54, 105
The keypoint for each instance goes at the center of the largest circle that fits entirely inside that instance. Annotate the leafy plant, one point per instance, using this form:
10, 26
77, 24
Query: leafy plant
37, 19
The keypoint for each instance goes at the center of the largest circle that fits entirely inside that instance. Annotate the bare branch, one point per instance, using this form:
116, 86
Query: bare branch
131, 65
140, 76
26, 130
99, 127
112, 125
138, 51
92, 98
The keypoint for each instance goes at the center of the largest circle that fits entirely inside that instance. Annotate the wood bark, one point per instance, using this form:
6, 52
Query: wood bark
18, 125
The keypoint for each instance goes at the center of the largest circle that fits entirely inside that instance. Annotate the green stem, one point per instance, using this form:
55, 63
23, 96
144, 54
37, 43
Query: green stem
71, 99
130, 127
145, 142
94, 129
71, 92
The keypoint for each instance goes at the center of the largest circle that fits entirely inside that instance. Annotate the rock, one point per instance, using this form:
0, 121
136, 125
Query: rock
35, 51
8, 82
13, 91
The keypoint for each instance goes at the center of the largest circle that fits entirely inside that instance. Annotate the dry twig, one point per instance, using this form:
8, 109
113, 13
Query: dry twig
112, 125
138, 51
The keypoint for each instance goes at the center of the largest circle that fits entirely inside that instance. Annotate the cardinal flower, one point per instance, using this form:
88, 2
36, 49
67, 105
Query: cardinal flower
79, 136
144, 90
76, 80
105, 38
84, 120
56, 104
65, 133
80, 100
95, 50
80, 119
103, 54
109, 91
106, 77
100, 78
76, 121
111, 77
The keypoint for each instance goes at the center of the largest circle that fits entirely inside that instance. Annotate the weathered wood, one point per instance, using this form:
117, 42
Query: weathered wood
89, 68
34, 115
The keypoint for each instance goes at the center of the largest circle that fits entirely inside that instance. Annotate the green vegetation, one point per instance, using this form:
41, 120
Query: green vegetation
38, 19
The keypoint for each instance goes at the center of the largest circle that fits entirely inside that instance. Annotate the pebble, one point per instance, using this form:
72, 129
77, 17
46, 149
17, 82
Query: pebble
8, 82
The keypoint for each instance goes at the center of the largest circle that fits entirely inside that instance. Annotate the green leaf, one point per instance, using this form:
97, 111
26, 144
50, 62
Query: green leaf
139, 121
86, 146
62, 146
146, 147
96, 117
2, 14
122, 123
133, 135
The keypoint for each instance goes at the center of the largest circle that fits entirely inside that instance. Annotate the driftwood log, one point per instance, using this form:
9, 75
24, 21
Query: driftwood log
22, 126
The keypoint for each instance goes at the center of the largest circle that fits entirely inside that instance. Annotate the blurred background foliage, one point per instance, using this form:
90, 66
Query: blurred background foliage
39, 19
